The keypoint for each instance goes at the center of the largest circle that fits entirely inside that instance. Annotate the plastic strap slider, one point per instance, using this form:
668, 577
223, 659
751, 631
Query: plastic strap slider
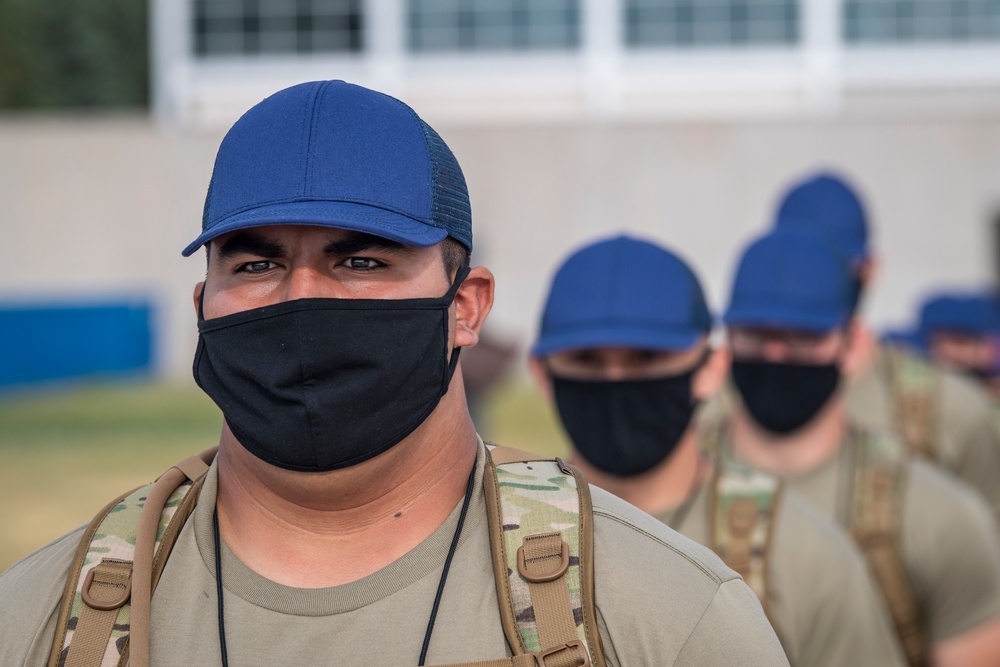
584, 660
537, 550
108, 585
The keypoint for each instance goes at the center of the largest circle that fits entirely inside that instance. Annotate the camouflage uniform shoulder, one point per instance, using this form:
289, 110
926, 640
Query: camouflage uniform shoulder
30, 593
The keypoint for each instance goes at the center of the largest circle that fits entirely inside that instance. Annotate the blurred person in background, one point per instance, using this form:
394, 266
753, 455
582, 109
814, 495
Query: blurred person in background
960, 332
938, 415
350, 480
929, 539
623, 353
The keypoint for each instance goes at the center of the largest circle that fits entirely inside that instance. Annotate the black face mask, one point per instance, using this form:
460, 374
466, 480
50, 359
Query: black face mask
625, 427
783, 397
321, 384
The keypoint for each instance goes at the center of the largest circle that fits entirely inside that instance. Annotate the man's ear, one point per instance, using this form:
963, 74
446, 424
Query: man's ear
710, 378
199, 289
869, 270
540, 376
473, 302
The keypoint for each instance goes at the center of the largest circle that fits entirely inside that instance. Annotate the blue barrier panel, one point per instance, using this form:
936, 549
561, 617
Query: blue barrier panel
46, 342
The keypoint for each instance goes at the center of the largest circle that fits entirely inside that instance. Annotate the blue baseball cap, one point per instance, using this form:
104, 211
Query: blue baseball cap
827, 205
623, 292
976, 314
333, 154
790, 279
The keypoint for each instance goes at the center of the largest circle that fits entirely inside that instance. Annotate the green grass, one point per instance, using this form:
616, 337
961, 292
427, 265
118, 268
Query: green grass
65, 454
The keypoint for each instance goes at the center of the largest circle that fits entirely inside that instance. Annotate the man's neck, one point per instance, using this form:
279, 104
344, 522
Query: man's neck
661, 489
313, 530
797, 452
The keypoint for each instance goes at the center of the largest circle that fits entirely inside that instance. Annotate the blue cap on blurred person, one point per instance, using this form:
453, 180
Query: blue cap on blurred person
975, 314
827, 205
623, 292
333, 154
790, 279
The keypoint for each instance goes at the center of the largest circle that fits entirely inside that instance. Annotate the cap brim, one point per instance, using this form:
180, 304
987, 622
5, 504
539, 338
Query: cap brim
616, 337
335, 214
784, 319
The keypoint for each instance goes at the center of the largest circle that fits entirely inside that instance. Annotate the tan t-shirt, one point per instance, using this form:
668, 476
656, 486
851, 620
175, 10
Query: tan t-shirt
950, 544
967, 440
820, 597
661, 600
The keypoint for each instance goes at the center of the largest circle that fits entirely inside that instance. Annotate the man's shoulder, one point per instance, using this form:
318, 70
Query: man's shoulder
809, 548
663, 598
30, 592
626, 533
962, 400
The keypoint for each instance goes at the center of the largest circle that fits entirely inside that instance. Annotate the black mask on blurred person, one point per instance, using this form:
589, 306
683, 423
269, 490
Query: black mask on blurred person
322, 384
625, 427
781, 397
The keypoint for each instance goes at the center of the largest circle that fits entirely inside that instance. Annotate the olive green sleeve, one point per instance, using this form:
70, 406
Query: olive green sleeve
30, 592
969, 437
952, 550
822, 599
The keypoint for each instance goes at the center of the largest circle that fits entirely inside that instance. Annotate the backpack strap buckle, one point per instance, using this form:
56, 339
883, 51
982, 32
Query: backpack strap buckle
541, 550
541, 657
113, 579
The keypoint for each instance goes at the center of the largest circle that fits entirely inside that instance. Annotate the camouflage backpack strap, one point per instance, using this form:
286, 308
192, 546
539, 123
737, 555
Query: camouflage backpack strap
875, 522
744, 503
118, 563
914, 386
542, 542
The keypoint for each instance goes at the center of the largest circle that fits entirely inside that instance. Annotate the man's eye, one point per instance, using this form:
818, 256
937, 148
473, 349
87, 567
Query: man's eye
362, 263
646, 356
255, 267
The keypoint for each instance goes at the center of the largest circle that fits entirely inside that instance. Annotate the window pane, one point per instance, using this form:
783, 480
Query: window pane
710, 23
493, 25
233, 27
901, 21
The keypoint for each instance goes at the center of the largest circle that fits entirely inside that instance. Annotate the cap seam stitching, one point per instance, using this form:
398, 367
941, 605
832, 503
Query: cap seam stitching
317, 99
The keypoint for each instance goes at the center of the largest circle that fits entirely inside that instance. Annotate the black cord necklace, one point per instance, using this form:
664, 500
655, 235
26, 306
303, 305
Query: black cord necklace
437, 596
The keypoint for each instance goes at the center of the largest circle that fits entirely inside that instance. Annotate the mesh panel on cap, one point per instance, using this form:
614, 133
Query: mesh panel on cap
450, 208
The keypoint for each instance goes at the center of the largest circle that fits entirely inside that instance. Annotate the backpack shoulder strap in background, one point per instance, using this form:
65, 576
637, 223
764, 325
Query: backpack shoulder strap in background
876, 519
743, 505
106, 579
913, 384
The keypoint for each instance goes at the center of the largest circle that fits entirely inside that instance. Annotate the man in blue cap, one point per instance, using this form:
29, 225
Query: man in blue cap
623, 352
929, 540
350, 486
938, 415
960, 332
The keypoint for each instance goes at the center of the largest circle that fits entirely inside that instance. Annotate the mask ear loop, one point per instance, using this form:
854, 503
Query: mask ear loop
460, 277
201, 302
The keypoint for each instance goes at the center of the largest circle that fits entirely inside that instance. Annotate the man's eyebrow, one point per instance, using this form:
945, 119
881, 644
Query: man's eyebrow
359, 243
248, 243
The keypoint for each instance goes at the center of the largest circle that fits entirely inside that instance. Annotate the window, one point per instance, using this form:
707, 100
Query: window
711, 23
240, 27
882, 21
493, 25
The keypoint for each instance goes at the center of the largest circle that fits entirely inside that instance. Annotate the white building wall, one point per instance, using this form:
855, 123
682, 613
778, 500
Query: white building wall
103, 206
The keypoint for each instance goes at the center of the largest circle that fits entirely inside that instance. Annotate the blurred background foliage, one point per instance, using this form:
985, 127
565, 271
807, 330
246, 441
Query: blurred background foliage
66, 451
73, 54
